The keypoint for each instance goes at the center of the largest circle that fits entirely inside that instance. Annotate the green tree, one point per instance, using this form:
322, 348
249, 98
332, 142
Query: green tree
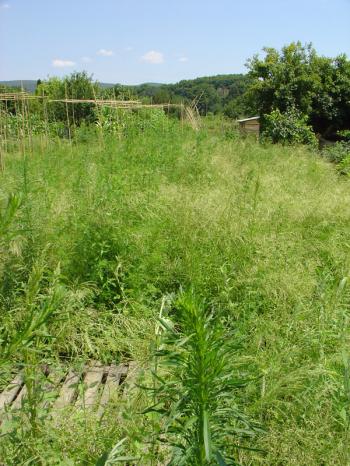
78, 85
162, 96
331, 103
211, 93
282, 79
296, 77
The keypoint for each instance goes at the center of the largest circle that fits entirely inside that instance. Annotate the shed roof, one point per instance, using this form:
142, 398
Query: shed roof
247, 119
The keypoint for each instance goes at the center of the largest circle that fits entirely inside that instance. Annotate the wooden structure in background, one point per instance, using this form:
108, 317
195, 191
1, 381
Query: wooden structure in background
250, 125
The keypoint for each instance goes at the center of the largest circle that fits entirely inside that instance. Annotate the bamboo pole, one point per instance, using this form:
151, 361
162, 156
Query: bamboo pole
67, 113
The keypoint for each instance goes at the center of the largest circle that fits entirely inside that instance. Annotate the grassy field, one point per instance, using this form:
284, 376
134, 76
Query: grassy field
106, 230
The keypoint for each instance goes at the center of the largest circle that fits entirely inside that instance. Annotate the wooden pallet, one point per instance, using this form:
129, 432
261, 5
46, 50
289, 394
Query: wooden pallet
90, 388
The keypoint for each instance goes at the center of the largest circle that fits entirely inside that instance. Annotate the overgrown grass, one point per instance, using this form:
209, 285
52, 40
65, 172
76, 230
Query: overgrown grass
259, 233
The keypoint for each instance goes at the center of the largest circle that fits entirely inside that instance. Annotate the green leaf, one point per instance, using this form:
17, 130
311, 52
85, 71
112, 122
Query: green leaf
102, 459
220, 459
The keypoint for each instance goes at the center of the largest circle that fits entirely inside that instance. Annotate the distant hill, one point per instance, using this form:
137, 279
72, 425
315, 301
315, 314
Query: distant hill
30, 84
215, 94
106, 85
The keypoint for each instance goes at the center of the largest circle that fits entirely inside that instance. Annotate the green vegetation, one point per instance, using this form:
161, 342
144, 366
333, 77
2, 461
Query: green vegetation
339, 153
295, 80
212, 94
74, 86
318, 87
289, 127
219, 265
197, 373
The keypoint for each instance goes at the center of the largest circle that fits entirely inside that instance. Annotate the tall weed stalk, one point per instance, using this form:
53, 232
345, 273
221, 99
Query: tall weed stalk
196, 379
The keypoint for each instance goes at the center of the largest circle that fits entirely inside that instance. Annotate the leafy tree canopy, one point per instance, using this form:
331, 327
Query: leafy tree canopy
296, 77
78, 85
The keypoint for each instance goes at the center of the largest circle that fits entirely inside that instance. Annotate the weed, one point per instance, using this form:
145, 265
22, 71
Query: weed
195, 380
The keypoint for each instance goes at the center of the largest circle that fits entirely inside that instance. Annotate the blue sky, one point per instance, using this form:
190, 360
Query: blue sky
134, 41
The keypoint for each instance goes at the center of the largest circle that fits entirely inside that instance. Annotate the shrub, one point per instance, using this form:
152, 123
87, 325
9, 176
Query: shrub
345, 133
113, 120
344, 166
20, 125
236, 108
289, 127
338, 152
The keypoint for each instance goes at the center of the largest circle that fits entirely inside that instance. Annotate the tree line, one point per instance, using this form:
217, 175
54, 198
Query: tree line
290, 87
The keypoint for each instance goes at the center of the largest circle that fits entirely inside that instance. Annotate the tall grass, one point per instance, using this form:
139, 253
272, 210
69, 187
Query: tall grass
258, 232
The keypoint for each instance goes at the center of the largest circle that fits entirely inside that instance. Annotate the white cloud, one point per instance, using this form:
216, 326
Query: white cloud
58, 63
129, 48
5, 6
105, 53
86, 59
153, 57
183, 59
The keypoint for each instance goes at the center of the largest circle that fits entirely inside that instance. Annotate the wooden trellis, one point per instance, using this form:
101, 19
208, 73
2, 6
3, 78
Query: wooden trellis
188, 112
22, 95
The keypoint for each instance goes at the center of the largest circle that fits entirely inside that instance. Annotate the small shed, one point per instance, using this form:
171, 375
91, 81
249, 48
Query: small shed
250, 125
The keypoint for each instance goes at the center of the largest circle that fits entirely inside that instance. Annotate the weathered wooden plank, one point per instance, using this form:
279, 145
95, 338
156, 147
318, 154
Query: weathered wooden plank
131, 377
51, 387
60, 390
92, 381
68, 390
18, 401
10, 393
22, 389
112, 384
